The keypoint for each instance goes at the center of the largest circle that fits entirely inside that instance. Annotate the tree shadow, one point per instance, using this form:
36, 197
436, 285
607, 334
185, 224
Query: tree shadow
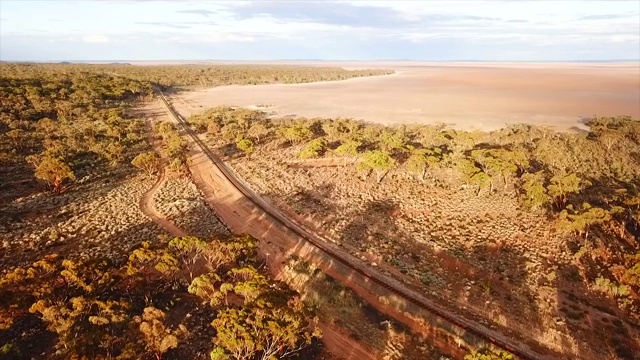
345, 302
635, 155
578, 314
16, 182
592, 310
587, 315
490, 280
309, 201
579, 130
373, 225
229, 150
489, 146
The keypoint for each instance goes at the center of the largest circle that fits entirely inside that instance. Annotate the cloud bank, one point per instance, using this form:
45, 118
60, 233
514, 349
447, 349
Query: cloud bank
331, 30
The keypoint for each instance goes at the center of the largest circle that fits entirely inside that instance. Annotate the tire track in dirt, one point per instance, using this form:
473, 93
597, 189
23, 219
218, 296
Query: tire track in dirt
146, 203
148, 208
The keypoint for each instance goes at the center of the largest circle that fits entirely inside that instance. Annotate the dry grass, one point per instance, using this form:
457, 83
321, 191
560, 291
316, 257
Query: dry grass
482, 252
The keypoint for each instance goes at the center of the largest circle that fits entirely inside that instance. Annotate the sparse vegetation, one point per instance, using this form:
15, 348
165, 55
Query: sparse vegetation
54, 172
489, 354
379, 161
521, 192
315, 148
100, 309
517, 223
66, 123
157, 337
147, 162
76, 128
245, 145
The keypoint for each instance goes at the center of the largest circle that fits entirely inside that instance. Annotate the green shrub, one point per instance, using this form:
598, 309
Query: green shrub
314, 149
610, 288
489, 354
245, 145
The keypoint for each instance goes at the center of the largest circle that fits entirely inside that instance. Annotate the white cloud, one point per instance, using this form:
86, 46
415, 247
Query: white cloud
346, 29
217, 37
95, 39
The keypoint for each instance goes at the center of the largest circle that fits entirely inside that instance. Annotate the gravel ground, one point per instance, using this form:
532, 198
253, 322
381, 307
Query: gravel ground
181, 202
97, 217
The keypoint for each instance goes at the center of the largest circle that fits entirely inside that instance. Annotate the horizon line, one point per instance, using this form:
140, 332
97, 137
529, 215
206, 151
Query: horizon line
318, 60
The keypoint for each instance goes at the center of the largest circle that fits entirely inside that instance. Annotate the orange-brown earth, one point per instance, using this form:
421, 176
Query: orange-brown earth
553, 95
217, 193
242, 215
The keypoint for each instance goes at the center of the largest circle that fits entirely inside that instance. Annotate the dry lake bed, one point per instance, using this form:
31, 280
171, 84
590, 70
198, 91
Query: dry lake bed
466, 96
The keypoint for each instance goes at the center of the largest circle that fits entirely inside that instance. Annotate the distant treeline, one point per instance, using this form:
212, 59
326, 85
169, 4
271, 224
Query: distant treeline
62, 117
170, 76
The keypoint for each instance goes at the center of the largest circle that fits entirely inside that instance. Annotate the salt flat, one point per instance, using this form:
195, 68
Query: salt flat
482, 96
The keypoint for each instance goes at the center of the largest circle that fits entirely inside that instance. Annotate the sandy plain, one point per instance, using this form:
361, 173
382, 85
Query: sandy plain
484, 96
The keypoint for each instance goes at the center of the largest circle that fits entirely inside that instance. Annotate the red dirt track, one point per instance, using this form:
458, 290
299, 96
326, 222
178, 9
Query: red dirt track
245, 212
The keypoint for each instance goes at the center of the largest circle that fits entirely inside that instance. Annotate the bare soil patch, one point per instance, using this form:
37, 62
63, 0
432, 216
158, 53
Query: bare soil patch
98, 218
465, 96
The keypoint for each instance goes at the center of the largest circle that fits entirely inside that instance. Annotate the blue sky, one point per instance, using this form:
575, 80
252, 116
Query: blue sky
498, 30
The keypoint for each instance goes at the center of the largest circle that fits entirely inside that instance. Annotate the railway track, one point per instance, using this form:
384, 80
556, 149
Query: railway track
497, 339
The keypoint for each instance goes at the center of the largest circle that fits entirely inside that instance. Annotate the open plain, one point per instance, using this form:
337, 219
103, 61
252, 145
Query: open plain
466, 96
472, 230
320, 180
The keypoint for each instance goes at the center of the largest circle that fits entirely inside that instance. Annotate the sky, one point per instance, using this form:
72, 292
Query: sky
498, 30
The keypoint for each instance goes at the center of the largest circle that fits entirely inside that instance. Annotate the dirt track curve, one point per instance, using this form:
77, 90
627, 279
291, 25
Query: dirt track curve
146, 201
335, 341
149, 209
214, 178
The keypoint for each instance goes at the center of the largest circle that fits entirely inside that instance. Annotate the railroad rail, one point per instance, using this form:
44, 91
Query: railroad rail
491, 336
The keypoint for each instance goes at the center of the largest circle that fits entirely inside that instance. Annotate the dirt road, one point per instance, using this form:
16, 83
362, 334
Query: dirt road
245, 212
336, 342
146, 201
148, 208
